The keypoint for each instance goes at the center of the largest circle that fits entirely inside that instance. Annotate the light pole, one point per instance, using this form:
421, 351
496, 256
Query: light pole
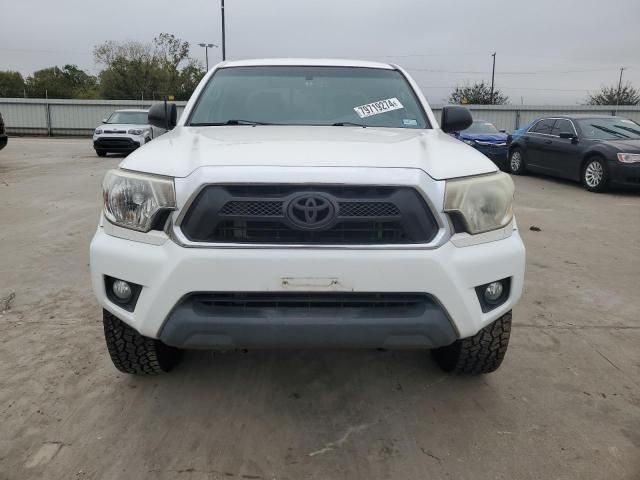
224, 43
206, 47
619, 88
493, 74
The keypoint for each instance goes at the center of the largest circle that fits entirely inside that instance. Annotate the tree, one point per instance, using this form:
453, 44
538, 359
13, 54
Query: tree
477, 94
134, 69
610, 96
11, 84
67, 82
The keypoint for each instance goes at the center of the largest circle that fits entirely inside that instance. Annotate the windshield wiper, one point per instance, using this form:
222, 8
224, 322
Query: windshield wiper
348, 124
228, 122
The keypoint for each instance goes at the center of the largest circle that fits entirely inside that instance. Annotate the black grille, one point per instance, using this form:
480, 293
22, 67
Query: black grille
368, 209
116, 143
263, 214
252, 209
407, 302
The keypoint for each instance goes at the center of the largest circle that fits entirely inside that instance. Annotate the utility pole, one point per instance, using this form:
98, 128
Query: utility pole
206, 47
224, 48
619, 88
493, 74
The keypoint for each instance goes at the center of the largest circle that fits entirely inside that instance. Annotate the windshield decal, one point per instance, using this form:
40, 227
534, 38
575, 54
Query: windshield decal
410, 122
376, 108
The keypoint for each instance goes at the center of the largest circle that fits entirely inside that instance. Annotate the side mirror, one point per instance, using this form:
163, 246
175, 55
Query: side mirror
163, 115
104, 120
455, 119
503, 131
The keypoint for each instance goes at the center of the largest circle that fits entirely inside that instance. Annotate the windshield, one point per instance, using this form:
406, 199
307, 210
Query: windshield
299, 95
614, 128
133, 118
480, 126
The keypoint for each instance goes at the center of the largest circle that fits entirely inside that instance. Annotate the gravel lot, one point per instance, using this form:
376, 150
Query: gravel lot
565, 404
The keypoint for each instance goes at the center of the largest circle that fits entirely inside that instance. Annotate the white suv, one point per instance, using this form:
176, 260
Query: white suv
124, 131
307, 203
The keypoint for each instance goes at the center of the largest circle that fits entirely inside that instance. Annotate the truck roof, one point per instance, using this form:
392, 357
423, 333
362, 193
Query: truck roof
312, 62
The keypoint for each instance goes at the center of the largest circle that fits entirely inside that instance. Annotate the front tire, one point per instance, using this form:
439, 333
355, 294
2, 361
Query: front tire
516, 162
595, 175
482, 353
101, 153
134, 353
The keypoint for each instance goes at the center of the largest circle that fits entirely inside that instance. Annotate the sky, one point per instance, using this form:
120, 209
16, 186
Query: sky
547, 51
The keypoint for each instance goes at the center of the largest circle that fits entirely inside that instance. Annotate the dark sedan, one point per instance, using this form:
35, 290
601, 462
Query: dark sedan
599, 151
3, 134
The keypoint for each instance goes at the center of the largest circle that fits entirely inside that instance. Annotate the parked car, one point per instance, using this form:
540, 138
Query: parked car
599, 151
487, 139
518, 132
307, 203
123, 132
3, 134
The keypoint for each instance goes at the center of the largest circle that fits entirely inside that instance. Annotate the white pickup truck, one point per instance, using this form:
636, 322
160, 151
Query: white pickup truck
307, 203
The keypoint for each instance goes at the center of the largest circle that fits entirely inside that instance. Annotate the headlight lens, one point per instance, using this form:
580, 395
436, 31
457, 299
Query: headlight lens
133, 200
483, 203
136, 131
629, 157
470, 142
98, 131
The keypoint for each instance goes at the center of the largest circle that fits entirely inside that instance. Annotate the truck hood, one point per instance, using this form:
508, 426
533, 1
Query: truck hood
118, 127
185, 149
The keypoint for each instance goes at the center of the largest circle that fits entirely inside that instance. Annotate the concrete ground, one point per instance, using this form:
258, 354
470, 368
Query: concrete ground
564, 405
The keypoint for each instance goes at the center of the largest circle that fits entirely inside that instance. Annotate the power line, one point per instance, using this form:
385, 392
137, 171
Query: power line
537, 72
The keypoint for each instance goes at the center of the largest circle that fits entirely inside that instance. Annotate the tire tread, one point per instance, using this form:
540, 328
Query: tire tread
481, 353
133, 353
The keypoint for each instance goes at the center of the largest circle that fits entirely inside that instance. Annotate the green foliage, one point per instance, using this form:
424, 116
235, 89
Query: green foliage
610, 96
131, 70
11, 84
477, 94
66, 82
134, 69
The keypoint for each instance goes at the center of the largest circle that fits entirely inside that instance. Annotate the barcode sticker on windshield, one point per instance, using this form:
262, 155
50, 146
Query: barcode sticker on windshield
376, 108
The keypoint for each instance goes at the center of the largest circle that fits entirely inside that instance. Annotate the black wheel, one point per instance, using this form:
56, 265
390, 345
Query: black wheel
101, 153
134, 353
595, 176
516, 162
482, 353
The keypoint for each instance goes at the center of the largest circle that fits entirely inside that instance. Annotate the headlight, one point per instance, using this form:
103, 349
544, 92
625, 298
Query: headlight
481, 203
133, 200
470, 142
136, 131
629, 157
98, 131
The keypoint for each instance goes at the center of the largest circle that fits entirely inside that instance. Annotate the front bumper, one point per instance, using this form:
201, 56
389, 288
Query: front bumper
117, 143
3, 141
170, 273
624, 174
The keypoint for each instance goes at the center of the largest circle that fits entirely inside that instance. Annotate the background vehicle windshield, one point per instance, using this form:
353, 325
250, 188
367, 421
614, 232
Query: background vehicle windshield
614, 128
480, 126
133, 118
299, 95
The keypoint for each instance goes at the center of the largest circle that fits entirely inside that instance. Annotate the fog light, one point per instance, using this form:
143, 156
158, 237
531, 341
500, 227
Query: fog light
122, 290
492, 292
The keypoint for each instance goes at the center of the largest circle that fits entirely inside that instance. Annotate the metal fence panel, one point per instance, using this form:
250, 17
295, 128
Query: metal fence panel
34, 116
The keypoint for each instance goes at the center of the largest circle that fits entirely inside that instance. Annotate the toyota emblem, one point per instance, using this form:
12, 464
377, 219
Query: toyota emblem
311, 211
